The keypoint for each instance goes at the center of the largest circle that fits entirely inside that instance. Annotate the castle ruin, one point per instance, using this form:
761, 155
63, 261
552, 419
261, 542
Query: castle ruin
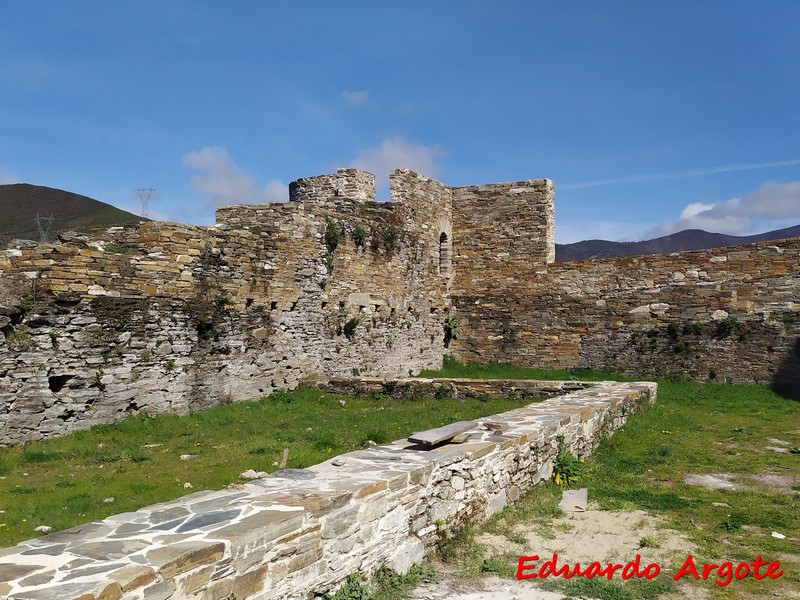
162, 317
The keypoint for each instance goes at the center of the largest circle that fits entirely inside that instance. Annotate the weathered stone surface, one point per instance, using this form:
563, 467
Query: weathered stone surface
433, 437
184, 556
132, 577
9, 571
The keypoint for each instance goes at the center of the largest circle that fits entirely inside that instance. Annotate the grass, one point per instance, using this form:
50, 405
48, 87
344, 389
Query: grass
110, 469
692, 429
385, 585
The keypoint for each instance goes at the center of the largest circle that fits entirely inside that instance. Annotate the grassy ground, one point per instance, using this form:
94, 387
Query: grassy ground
692, 429
116, 468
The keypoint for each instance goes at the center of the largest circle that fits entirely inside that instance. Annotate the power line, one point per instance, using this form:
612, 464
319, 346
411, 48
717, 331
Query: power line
144, 196
44, 234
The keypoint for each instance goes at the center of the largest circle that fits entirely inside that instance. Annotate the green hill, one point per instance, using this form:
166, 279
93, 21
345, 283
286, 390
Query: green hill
21, 202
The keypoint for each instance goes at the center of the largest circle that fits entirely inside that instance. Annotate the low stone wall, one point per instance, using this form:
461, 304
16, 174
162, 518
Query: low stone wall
299, 533
456, 388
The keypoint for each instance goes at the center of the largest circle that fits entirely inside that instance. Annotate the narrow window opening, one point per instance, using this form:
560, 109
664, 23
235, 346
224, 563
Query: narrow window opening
444, 255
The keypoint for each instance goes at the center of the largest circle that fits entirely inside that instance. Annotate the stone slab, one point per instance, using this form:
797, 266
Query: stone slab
434, 437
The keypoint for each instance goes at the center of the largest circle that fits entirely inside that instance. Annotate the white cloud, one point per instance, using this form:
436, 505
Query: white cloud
771, 202
680, 174
224, 182
275, 191
398, 153
355, 97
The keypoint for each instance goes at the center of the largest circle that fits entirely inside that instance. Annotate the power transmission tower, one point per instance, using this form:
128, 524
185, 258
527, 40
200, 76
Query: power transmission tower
144, 196
44, 233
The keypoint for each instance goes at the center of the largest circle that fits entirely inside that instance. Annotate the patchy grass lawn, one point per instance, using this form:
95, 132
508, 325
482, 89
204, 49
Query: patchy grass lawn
742, 435
110, 469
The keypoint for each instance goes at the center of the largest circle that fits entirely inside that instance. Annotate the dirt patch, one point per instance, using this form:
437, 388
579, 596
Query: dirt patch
594, 535
449, 587
765, 482
598, 535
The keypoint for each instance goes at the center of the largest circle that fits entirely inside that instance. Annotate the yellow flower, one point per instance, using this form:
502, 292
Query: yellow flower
3, 525
24, 520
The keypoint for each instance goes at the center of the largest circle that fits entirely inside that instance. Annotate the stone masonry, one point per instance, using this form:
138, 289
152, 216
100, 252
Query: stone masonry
171, 318
729, 314
162, 317
299, 533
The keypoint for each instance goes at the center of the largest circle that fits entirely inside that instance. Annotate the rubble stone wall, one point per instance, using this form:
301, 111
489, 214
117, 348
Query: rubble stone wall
725, 314
503, 236
301, 533
170, 318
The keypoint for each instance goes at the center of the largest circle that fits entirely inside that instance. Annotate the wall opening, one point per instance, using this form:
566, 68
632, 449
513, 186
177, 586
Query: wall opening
444, 255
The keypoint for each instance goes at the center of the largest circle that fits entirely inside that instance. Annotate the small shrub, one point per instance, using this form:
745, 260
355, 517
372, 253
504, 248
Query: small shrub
116, 248
567, 468
353, 589
450, 330
169, 365
19, 341
728, 326
443, 392
332, 235
256, 230
359, 236
390, 236
673, 331
692, 328
281, 397
97, 381
389, 387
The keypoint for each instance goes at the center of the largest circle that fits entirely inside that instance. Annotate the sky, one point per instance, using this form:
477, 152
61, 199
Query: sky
651, 117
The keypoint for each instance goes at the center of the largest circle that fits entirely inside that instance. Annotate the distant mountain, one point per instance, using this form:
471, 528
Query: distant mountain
689, 239
21, 202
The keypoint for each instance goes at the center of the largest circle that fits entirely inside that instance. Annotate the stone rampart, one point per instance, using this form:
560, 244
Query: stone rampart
168, 318
298, 533
503, 234
726, 314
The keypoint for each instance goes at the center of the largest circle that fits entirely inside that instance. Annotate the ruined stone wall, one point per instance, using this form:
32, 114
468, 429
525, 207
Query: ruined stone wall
169, 318
300, 533
725, 314
503, 234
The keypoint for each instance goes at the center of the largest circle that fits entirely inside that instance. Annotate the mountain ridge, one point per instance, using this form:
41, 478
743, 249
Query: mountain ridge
20, 203
688, 239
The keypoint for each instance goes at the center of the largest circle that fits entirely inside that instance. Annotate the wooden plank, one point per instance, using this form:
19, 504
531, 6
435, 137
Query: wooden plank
431, 437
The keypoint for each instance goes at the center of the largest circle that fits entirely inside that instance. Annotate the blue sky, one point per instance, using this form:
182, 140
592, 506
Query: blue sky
650, 116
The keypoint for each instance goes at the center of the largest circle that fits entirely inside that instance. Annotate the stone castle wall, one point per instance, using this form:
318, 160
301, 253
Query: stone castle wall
170, 318
726, 314
503, 235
